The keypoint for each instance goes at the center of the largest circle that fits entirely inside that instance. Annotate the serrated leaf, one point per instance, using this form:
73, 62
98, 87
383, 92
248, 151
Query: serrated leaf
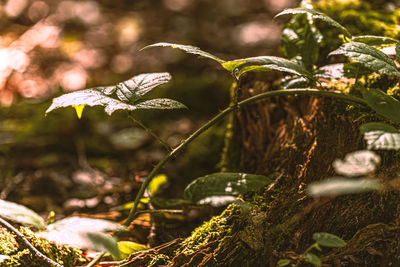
103, 242
95, 97
90, 97
21, 214
313, 259
156, 184
379, 135
357, 163
133, 89
224, 186
369, 56
266, 63
373, 40
126, 248
188, 49
328, 240
316, 15
284, 262
383, 104
339, 186
159, 103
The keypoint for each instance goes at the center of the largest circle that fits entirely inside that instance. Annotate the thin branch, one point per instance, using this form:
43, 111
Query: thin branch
221, 115
160, 211
96, 260
23, 239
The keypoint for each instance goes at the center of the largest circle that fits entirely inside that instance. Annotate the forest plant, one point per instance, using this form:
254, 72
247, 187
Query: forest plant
321, 240
302, 73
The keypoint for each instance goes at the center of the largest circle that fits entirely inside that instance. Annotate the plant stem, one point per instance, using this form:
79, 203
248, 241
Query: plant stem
222, 114
95, 260
149, 131
25, 241
225, 161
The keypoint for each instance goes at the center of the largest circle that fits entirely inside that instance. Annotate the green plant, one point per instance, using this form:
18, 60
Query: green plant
321, 240
302, 71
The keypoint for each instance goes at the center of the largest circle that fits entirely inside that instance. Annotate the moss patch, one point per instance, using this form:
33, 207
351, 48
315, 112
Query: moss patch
19, 255
216, 228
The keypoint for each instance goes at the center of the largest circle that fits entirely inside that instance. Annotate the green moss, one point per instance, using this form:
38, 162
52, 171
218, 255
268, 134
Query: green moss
159, 259
21, 256
216, 228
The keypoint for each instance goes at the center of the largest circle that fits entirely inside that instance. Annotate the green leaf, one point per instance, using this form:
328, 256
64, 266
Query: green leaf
222, 187
103, 242
397, 49
95, 97
377, 126
133, 89
369, 56
232, 65
316, 15
357, 163
21, 214
328, 240
159, 103
312, 258
340, 186
188, 49
156, 184
379, 135
373, 40
128, 92
284, 262
340, 70
266, 63
126, 248
383, 104
90, 97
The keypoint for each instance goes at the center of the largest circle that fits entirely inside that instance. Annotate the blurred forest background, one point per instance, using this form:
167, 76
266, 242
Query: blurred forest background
62, 164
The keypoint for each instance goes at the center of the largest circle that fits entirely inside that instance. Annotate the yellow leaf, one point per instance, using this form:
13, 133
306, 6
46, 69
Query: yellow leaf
126, 248
79, 110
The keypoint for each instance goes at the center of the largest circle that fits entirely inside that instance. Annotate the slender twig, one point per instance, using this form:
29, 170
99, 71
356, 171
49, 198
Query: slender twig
149, 131
160, 211
23, 239
222, 114
96, 260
